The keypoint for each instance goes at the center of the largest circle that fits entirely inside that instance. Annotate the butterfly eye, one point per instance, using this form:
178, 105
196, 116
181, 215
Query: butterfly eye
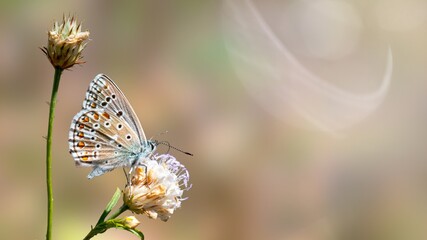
152, 146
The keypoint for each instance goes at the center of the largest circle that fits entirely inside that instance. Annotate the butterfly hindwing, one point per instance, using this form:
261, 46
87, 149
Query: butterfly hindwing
97, 137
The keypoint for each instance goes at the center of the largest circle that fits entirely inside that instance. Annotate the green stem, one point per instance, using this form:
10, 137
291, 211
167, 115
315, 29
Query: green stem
99, 228
103, 226
121, 210
56, 81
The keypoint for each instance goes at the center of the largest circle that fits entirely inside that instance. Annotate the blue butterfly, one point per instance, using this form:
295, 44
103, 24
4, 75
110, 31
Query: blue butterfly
106, 133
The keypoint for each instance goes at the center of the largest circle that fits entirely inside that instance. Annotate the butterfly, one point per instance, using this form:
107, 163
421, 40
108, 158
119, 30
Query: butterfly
106, 134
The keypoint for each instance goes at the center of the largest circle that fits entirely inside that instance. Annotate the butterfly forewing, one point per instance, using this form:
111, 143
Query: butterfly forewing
103, 93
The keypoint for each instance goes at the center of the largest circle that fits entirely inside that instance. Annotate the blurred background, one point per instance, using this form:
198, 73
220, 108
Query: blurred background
306, 119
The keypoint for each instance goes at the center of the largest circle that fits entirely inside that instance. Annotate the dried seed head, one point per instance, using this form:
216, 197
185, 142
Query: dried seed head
66, 42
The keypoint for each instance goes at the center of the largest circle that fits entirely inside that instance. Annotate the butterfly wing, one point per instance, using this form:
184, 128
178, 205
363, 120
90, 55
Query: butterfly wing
106, 133
103, 93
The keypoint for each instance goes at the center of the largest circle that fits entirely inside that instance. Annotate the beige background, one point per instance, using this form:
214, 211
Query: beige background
260, 170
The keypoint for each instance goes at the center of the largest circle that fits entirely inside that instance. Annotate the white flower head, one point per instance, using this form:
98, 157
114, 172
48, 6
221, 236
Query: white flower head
157, 187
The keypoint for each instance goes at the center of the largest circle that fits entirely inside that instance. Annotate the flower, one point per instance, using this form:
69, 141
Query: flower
65, 44
130, 222
157, 187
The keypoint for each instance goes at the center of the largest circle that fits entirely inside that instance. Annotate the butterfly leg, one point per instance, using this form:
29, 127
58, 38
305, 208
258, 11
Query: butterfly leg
127, 175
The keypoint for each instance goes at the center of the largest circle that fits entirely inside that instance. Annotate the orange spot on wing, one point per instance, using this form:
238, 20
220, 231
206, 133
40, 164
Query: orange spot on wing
96, 116
93, 105
86, 119
80, 144
106, 115
85, 158
81, 126
81, 134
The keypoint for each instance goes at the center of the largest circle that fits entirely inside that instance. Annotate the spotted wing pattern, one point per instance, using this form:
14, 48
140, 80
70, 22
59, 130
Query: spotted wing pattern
106, 133
103, 93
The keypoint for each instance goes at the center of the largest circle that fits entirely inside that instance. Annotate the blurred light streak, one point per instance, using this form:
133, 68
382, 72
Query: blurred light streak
284, 86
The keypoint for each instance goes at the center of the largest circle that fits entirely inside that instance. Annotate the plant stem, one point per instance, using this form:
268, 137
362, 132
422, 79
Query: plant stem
55, 87
122, 209
109, 206
95, 231
103, 226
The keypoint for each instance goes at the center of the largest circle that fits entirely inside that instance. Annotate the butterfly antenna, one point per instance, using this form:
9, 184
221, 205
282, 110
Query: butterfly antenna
127, 175
170, 146
167, 144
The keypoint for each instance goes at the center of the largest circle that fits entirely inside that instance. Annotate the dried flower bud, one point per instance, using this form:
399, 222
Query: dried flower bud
65, 44
157, 187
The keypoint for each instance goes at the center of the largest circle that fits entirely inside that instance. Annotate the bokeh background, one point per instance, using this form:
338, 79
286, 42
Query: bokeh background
307, 119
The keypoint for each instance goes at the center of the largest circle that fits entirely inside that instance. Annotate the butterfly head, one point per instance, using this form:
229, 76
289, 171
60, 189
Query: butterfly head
151, 145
